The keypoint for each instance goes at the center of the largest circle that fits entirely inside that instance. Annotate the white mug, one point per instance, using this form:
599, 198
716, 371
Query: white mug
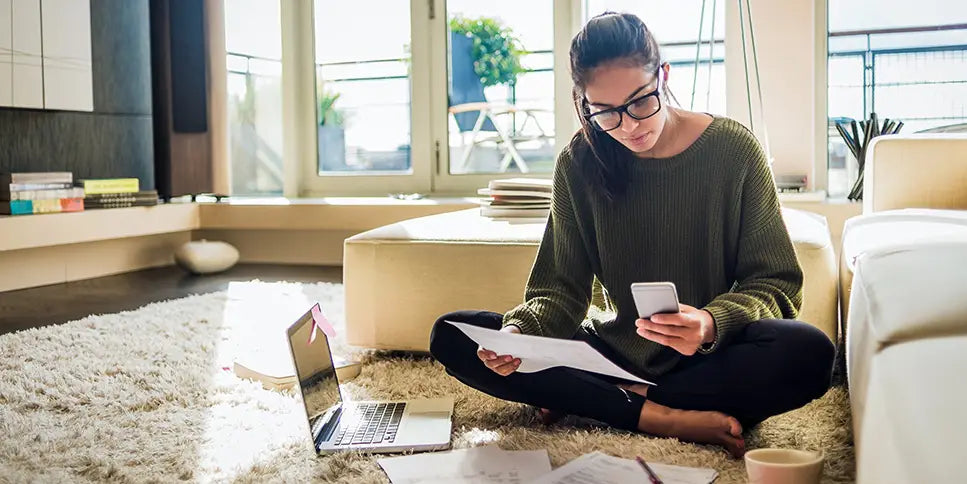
783, 466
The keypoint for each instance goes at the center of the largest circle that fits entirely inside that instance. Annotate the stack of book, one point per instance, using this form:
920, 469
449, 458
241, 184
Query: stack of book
45, 192
516, 198
116, 193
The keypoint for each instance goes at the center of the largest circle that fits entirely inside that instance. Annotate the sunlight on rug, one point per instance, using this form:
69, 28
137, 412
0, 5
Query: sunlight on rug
149, 395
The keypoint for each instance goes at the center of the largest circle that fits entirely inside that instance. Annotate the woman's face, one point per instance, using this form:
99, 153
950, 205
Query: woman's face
615, 84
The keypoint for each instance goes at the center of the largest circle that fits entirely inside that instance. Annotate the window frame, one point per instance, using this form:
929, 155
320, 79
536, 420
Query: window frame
430, 160
430, 166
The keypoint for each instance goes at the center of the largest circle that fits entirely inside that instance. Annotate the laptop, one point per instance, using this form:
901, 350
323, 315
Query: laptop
370, 426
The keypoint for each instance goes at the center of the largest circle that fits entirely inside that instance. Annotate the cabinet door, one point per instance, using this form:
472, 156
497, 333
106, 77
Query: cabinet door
6, 53
27, 76
67, 79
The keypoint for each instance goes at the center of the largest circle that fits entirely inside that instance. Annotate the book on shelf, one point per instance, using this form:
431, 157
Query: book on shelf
37, 178
41, 193
27, 207
119, 204
101, 186
144, 198
116, 197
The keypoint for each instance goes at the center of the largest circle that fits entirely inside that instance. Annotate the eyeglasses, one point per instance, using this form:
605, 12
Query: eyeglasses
641, 107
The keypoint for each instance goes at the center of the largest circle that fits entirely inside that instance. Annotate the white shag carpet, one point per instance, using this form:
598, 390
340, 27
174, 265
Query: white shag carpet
148, 395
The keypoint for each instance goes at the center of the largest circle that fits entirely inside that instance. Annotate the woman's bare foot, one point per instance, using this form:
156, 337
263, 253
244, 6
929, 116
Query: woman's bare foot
693, 426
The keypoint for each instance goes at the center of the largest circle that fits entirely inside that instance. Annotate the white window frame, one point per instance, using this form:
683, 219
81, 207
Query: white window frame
298, 61
567, 15
429, 152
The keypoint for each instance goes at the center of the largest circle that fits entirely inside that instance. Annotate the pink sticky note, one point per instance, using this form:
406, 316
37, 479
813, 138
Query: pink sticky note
319, 321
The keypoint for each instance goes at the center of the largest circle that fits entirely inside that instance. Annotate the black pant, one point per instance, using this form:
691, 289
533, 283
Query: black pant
770, 367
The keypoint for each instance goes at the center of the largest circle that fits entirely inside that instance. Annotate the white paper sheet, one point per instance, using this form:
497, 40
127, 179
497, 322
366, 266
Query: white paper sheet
599, 468
538, 353
478, 465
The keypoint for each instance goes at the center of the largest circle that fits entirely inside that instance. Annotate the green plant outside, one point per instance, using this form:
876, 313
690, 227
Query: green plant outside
326, 104
496, 51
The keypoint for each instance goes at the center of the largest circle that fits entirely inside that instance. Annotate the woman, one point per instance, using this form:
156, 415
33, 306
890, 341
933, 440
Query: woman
650, 192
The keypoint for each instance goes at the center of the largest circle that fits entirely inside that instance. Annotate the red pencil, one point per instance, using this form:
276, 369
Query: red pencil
651, 474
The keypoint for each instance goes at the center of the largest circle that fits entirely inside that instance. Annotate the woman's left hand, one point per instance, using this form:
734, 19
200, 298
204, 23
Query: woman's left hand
685, 331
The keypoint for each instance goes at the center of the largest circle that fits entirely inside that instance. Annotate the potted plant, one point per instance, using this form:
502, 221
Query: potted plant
332, 135
496, 51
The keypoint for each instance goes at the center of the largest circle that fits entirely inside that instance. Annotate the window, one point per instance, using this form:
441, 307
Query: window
403, 103
500, 86
254, 49
391, 97
904, 61
675, 24
363, 87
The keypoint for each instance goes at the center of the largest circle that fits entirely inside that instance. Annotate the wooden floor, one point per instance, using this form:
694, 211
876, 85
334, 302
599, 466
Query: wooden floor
59, 303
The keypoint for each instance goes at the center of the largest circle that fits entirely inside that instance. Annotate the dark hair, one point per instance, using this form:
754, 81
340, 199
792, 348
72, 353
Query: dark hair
609, 37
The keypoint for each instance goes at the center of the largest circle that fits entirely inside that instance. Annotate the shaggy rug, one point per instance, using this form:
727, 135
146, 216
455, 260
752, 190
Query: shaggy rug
148, 395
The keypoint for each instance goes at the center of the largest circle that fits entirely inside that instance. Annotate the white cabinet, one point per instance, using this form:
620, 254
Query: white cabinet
45, 54
6, 53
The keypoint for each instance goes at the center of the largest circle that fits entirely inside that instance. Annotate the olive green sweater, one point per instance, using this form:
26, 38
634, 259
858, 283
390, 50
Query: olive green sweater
707, 219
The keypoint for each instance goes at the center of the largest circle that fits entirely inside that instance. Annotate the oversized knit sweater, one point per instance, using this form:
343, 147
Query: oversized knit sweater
707, 219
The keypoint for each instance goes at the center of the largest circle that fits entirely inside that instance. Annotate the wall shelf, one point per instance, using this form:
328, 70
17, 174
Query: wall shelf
50, 229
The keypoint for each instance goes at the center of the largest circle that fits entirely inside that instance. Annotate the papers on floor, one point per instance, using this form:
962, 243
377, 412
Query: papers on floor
599, 468
538, 353
488, 464
516, 198
492, 465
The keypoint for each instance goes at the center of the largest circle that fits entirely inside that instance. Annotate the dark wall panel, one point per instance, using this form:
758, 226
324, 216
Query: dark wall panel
116, 140
89, 144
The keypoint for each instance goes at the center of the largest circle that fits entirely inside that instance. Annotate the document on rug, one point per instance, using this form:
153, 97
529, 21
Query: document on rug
538, 353
600, 468
478, 465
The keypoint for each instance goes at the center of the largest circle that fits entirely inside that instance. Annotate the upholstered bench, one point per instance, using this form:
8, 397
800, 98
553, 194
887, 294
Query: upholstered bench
401, 277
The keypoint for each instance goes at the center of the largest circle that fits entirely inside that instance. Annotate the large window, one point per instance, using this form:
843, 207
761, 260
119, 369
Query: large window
254, 46
426, 96
905, 61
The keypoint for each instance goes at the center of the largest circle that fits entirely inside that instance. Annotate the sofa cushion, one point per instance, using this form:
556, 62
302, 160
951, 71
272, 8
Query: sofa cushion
901, 295
893, 228
915, 170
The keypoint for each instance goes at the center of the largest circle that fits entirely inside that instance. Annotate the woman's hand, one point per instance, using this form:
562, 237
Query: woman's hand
685, 331
502, 365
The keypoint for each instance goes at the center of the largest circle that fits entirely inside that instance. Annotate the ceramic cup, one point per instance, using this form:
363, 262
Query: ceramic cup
783, 466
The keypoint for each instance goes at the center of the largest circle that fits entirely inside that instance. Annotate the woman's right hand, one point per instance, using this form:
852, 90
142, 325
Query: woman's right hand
501, 364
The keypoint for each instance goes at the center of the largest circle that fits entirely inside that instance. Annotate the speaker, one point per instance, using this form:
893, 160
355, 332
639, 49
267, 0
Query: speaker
179, 85
189, 96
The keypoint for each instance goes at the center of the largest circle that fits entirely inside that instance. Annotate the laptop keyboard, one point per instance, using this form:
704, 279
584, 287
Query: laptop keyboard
370, 423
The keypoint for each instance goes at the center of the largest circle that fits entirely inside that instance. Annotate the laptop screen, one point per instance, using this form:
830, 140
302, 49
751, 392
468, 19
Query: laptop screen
314, 369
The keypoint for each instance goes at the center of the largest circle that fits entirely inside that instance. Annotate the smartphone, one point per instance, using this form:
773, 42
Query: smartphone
654, 298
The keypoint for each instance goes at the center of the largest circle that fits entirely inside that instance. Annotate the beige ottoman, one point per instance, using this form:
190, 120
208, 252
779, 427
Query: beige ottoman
401, 277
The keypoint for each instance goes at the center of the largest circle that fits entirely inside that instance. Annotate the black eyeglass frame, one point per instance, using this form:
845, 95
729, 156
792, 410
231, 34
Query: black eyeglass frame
623, 109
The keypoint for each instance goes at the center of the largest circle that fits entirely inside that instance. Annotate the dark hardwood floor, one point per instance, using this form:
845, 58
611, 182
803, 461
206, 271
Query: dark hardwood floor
60, 303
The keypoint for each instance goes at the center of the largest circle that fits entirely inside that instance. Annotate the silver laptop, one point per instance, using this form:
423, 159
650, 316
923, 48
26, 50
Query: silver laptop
378, 427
